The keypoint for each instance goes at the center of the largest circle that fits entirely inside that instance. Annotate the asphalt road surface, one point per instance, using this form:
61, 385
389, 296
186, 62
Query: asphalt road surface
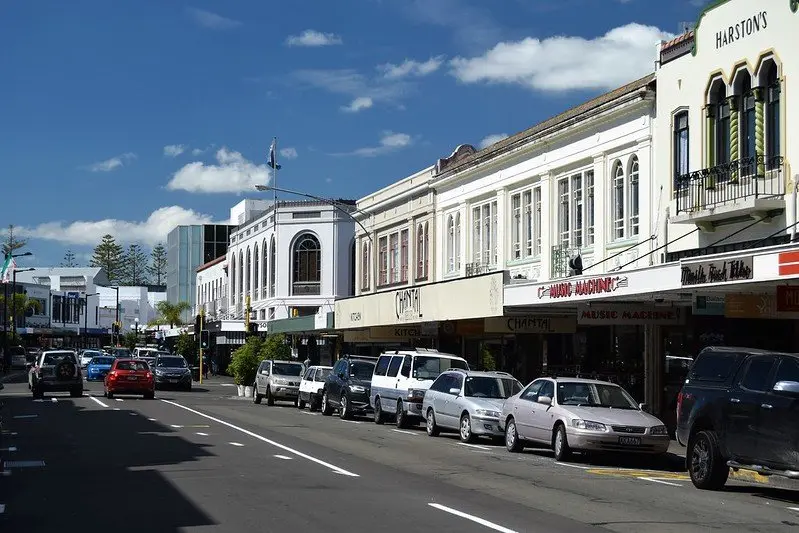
206, 461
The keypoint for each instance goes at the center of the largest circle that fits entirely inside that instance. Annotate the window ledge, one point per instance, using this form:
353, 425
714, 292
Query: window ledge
523, 262
615, 245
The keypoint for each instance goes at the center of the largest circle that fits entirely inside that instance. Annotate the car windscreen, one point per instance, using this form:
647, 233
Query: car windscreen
57, 357
121, 352
362, 369
287, 369
594, 395
491, 387
429, 367
101, 361
170, 362
132, 365
322, 373
90, 354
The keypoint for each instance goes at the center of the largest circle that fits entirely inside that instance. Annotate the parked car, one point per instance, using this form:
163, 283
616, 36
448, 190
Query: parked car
87, 355
572, 414
18, 356
312, 385
468, 402
347, 386
56, 371
277, 380
122, 353
172, 371
738, 409
401, 378
98, 367
129, 376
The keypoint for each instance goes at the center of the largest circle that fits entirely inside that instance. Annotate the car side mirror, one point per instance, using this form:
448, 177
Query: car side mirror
643, 407
545, 400
265, 372
454, 391
787, 388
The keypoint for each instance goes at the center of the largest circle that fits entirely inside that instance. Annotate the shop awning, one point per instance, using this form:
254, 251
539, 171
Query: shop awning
300, 324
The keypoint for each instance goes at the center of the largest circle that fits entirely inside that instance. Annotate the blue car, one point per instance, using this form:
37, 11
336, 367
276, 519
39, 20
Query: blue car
98, 368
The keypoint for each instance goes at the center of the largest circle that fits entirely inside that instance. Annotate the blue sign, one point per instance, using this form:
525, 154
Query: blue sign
73, 295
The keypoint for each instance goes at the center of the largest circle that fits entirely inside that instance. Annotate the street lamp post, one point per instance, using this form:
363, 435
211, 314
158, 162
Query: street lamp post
14, 296
86, 319
5, 307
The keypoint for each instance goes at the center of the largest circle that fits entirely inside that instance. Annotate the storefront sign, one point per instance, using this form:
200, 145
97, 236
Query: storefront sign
788, 298
750, 306
408, 304
742, 29
531, 324
387, 334
590, 286
788, 263
721, 271
629, 315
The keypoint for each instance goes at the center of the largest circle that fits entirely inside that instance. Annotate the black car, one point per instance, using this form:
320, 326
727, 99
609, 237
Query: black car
171, 371
347, 387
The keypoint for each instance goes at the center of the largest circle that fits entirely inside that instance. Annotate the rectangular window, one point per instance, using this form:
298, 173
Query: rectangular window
577, 209
527, 224
383, 260
748, 146
484, 234
589, 207
516, 226
364, 266
773, 148
537, 222
476, 233
404, 255
723, 133
681, 145
394, 258
564, 217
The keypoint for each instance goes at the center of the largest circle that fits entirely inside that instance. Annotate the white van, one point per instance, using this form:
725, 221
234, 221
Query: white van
401, 378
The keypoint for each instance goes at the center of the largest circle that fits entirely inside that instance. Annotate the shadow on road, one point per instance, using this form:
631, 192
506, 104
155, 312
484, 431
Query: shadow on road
100, 471
774, 494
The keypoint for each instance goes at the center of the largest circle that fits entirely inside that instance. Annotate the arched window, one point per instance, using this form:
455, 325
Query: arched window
719, 110
420, 255
618, 200
770, 82
241, 277
264, 270
746, 145
248, 274
426, 250
307, 265
233, 279
632, 193
457, 242
450, 244
256, 274
272, 273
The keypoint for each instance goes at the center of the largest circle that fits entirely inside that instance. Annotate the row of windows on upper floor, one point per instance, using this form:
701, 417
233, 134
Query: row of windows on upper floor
575, 219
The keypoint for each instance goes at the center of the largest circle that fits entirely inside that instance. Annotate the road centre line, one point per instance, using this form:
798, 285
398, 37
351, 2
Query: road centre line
95, 400
404, 432
119, 399
200, 433
283, 447
54, 400
475, 519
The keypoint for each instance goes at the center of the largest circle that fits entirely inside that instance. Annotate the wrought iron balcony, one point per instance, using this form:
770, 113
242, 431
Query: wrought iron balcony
306, 289
475, 269
743, 180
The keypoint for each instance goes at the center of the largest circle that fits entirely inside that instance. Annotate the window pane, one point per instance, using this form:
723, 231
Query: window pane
527, 206
516, 226
788, 370
757, 373
589, 206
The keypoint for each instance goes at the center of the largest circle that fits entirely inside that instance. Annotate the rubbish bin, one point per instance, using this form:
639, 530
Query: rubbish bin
195, 373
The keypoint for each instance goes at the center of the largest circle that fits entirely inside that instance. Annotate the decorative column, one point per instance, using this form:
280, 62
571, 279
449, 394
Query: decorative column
549, 226
734, 144
759, 133
502, 220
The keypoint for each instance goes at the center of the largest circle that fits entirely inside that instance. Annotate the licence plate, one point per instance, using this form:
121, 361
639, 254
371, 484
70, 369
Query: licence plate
132, 378
173, 380
630, 441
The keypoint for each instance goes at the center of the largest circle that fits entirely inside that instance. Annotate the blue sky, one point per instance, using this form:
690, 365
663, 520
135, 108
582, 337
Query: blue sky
129, 117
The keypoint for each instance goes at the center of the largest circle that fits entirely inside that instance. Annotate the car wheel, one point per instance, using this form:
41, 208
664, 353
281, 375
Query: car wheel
109, 395
76, 392
327, 409
313, 402
402, 417
706, 465
344, 408
149, 395
466, 429
512, 441
300, 404
38, 393
270, 400
380, 416
256, 398
560, 444
432, 427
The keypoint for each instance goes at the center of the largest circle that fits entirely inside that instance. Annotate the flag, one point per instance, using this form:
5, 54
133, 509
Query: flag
8, 267
273, 156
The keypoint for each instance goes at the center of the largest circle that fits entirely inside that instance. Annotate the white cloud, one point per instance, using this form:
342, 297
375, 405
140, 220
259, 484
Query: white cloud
150, 231
355, 85
174, 150
289, 152
313, 38
410, 67
113, 163
493, 138
212, 21
359, 104
389, 142
197, 151
232, 174
563, 63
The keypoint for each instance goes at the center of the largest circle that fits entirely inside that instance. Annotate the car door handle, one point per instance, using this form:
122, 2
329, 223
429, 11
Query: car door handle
735, 400
766, 406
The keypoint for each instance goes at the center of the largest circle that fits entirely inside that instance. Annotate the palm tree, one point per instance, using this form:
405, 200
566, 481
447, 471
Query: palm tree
24, 304
171, 313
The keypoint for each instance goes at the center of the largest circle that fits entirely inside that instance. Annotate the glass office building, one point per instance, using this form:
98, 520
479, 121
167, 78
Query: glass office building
188, 247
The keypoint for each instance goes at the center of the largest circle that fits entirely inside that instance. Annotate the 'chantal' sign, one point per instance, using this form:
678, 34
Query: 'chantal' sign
740, 30
408, 304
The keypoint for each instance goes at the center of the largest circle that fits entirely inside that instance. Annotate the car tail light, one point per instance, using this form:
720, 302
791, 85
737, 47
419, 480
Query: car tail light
148, 376
112, 374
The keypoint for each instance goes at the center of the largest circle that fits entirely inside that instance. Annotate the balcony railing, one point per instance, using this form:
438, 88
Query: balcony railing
475, 269
749, 178
306, 289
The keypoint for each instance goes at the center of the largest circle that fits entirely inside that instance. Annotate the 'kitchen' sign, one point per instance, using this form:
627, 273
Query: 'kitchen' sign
721, 271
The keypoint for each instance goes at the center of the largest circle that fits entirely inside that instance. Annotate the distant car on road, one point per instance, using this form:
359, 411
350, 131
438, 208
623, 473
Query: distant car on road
18, 356
56, 371
98, 367
129, 376
86, 357
171, 371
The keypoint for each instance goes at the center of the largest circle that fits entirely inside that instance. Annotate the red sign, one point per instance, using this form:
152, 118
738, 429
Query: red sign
583, 287
789, 263
788, 298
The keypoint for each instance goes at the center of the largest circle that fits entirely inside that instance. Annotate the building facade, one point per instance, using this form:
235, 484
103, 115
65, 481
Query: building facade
212, 286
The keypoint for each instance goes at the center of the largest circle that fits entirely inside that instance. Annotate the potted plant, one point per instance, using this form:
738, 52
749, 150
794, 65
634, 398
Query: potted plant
244, 365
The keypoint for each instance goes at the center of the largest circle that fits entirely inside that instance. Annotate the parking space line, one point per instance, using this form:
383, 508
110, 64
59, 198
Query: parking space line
475, 446
404, 432
95, 400
23, 464
573, 466
475, 519
352, 421
200, 433
119, 399
236, 444
284, 457
656, 480
334, 468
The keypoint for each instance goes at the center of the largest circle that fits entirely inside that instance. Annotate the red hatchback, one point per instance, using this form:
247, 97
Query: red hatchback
129, 376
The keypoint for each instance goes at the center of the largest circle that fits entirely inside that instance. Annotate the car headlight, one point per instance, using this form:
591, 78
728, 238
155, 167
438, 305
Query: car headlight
660, 431
159, 372
279, 381
416, 394
357, 388
588, 425
487, 413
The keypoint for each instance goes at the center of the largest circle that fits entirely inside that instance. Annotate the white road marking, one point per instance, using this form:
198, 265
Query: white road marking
23, 464
133, 414
200, 433
25, 416
574, 466
404, 432
284, 457
223, 384
794, 509
120, 400
475, 446
352, 421
38, 401
12, 433
236, 444
117, 409
9, 449
151, 419
334, 468
95, 400
655, 480
54, 400
475, 519
309, 413
175, 426
5, 473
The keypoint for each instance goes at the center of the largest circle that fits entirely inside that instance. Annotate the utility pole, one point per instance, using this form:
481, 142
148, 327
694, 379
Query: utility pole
247, 311
202, 326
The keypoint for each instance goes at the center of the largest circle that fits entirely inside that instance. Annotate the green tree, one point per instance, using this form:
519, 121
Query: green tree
187, 347
134, 266
158, 264
129, 340
171, 313
109, 256
11, 243
69, 260
24, 305
245, 360
275, 347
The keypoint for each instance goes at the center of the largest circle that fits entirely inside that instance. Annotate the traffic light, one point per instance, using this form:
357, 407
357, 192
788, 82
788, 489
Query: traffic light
576, 266
252, 329
197, 324
205, 337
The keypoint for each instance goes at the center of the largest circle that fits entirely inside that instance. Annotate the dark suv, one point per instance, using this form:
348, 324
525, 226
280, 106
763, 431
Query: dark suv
347, 387
739, 409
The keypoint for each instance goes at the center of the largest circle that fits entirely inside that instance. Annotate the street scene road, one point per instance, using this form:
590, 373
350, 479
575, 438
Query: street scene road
209, 461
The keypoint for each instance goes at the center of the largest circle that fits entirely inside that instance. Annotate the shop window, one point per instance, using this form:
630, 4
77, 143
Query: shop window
523, 225
575, 202
307, 265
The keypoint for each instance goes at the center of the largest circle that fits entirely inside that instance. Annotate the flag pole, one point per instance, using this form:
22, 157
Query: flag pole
273, 157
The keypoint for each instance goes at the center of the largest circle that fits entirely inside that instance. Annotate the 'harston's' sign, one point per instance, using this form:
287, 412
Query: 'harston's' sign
408, 304
740, 30
721, 271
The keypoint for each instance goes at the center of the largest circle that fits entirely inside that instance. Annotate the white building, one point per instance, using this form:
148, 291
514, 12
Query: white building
136, 306
212, 284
